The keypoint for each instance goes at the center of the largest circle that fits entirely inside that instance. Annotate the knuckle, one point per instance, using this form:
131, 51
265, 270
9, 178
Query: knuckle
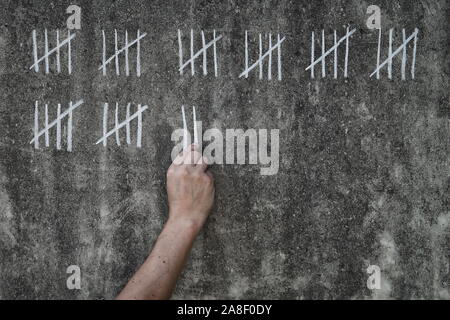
206, 179
197, 175
170, 171
183, 172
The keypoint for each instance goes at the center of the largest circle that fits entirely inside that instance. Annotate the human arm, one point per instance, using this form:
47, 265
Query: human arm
190, 190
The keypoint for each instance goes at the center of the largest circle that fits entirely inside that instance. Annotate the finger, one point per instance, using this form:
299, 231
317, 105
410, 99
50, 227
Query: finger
194, 147
192, 158
209, 174
178, 159
182, 156
202, 164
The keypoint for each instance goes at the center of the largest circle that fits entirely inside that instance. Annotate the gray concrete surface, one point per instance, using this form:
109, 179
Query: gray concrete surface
364, 163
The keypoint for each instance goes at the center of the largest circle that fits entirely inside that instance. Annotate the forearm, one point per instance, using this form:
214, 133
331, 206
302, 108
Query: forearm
157, 277
190, 193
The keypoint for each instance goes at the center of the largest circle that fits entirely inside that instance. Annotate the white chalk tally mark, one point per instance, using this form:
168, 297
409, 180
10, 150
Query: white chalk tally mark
48, 52
260, 61
185, 129
194, 55
57, 122
123, 50
119, 125
334, 50
391, 54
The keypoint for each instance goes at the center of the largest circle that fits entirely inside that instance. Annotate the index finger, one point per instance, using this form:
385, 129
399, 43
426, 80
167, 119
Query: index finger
184, 155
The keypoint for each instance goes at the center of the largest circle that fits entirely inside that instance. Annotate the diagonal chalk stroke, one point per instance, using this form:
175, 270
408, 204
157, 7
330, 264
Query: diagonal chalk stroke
198, 53
262, 57
344, 38
47, 52
118, 126
397, 51
55, 122
119, 51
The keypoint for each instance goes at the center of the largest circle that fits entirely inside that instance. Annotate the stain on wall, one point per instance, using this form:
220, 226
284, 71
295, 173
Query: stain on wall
364, 163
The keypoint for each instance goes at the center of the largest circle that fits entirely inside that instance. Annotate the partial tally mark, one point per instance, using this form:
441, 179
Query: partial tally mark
186, 135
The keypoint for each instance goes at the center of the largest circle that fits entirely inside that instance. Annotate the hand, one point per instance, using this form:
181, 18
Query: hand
190, 188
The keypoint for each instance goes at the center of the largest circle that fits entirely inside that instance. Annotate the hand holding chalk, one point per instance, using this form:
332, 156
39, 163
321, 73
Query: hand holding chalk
190, 188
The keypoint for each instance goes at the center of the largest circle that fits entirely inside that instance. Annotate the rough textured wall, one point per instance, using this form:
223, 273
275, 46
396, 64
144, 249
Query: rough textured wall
364, 166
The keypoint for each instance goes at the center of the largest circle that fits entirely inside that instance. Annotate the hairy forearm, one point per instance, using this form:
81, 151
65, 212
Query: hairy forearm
157, 277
